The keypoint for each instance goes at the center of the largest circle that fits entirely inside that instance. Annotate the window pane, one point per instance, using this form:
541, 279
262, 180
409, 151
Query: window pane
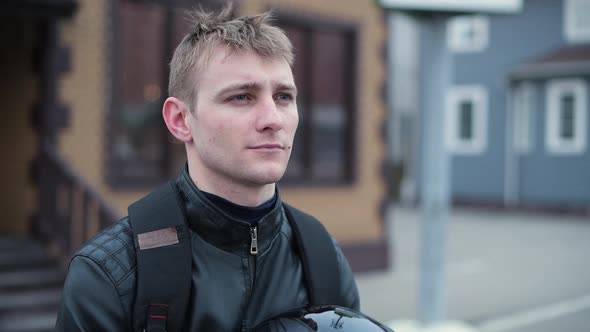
582, 16
566, 130
296, 168
137, 126
466, 120
328, 104
467, 32
578, 20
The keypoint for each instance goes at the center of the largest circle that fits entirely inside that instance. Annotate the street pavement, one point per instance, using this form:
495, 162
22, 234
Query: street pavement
506, 271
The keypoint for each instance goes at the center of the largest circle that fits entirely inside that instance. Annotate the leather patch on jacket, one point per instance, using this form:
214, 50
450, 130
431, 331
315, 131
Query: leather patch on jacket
158, 238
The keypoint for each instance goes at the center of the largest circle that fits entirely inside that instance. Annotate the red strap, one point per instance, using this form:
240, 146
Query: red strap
157, 315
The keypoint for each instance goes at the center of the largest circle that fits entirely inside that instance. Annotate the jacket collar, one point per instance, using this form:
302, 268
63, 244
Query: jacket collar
220, 229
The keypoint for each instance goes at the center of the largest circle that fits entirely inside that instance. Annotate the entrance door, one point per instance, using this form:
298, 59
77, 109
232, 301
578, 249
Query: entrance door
18, 93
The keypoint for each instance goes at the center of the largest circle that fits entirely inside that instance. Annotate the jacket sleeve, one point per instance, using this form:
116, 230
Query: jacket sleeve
349, 289
90, 301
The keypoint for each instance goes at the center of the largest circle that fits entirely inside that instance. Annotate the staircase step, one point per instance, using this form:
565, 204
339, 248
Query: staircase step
30, 299
10, 242
31, 258
31, 279
39, 321
30, 285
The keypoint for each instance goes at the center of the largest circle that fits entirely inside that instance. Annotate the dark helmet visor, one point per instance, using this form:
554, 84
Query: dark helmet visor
322, 319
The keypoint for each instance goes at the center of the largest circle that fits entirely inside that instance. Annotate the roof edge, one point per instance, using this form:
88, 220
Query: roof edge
547, 70
454, 6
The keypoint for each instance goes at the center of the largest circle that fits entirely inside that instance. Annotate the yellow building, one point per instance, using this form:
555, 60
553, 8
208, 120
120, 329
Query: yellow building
82, 86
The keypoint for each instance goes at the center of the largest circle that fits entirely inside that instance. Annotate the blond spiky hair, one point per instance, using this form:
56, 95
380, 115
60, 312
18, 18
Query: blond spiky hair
211, 29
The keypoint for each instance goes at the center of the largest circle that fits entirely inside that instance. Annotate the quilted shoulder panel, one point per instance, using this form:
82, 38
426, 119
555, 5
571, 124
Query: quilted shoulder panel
113, 250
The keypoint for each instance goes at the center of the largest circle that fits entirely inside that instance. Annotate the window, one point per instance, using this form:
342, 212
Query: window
523, 108
136, 131
566, 116
466, 120
324, 73
467, 33
141, 152
577, 20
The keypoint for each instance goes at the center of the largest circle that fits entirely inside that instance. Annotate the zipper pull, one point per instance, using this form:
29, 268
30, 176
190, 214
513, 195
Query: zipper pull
254, 242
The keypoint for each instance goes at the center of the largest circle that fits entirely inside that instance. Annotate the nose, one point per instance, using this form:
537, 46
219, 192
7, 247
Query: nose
269, 116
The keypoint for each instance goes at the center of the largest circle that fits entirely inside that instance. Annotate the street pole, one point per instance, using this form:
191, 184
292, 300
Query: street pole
436, 77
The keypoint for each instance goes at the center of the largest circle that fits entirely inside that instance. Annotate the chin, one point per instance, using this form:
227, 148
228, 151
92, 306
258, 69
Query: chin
269, 179
267, 176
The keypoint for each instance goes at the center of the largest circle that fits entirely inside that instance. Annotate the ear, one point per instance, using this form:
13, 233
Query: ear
174, 112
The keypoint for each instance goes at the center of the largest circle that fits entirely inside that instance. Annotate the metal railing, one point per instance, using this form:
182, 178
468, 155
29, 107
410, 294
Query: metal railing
69, 211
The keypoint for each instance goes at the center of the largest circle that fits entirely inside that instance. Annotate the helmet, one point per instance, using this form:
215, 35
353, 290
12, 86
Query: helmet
321, 319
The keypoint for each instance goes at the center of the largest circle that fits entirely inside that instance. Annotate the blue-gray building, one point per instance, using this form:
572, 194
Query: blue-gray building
516, 115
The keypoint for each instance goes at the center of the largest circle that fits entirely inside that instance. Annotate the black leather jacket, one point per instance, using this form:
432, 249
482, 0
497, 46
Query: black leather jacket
99, 290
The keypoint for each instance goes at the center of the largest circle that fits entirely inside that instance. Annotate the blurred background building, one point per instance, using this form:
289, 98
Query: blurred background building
516, 117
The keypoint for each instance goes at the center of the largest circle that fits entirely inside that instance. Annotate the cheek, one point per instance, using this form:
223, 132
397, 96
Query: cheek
208, 128
293, 121
222, 135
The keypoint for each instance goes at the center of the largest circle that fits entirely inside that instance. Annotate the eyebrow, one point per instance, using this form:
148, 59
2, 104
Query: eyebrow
286, 87
254, 86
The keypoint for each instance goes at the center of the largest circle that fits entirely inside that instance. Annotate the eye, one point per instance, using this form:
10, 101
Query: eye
239, 99
285, 97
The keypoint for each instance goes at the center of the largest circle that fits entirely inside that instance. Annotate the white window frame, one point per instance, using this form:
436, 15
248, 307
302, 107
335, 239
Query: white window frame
572, 11
457, 24
554, 143
524, 117
478, 95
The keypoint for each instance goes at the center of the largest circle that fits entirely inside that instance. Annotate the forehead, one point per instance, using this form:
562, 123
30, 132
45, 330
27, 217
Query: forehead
228, 66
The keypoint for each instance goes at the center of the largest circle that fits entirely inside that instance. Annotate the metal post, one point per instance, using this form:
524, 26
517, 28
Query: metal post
436, 79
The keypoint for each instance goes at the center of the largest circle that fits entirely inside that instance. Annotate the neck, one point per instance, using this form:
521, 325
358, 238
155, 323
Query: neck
231, 190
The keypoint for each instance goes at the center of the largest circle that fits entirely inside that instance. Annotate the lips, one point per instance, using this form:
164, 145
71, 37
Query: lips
269, 146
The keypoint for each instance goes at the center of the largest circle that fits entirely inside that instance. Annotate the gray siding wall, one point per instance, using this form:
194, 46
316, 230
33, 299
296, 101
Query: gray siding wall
513, 39
551, 179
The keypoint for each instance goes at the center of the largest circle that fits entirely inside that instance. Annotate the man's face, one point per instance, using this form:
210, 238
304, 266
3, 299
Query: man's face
245, 118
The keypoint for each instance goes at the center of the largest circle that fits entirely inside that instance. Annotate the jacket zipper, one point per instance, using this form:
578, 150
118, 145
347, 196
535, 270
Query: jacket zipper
251, 272
252, 257
254, 241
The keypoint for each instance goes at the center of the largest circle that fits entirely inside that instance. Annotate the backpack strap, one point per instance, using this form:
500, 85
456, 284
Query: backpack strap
318, 254
163, 248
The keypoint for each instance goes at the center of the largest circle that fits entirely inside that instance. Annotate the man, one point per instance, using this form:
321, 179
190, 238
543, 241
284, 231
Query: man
232, 103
